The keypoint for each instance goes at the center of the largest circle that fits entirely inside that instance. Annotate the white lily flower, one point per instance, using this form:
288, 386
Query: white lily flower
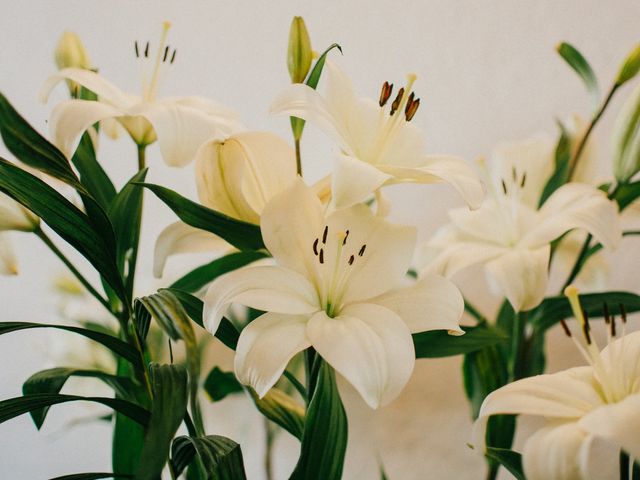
8, 261
333, 288
379, 146
510, 235
180, 124
236, 176
13, 216
580, 404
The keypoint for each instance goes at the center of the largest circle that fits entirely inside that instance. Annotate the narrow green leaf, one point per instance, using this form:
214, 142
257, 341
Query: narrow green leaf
626, 194
199, 277
509, 459
14, 407
630, 67
560, 175
483, 371
52, 380
92, 476
439, 343
281, 409
92, 175
169, 386
64, 218
324, 440
219, 456
219, 384
114, 344
580, 65
242, 235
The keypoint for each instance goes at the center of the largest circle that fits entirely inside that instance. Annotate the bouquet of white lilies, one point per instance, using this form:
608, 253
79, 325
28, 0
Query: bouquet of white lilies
310, 285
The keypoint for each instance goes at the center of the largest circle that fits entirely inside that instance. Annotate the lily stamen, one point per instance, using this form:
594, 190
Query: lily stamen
385, 93
396, 103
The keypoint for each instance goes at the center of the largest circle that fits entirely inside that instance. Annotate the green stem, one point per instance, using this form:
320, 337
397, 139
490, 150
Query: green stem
142, 157
492, 472
474, 312
298, 157
579, 262
517, 342
624, 466
49, 243
133, 260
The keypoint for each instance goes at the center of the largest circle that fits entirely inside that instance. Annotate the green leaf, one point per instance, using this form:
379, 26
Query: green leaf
92, 476
169, 386
560, 175
31, 148
483, 372
324, 440
626, 194
439, 343
580, 65
64, 218
52, 380
199, 277
227, 333
92, 175
630, 67
509, 459
219, 384
14, 407
114, 344
242, 235
219, 456
281, 409
554, 309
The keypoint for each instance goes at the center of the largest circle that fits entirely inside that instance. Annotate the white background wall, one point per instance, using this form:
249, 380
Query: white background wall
487, 72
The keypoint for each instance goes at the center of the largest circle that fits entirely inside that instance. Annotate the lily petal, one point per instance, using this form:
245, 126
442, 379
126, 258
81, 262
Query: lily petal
13, 216
576, 205
460, 255
555, 452
182, 238
265, 347
353, 181
267, 288
8, 261
432, 303
522, 275
227, 119
370, 346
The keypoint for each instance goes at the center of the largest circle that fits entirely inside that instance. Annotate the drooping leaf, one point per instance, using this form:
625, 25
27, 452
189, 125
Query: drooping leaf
324, 440
92, 476
14, 407
141, 319
562, 163
509, 459
281, 409
114, 344
169, 386
98, 247
52, 380
580, 65
199, 277
220, 457
219, 384
439, 343
92, 175
242, 235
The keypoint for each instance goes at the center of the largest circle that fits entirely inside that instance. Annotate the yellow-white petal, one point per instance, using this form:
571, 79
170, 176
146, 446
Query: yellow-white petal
8, 261
268, 288
370, 346
182, 238
459, 255
265, 347
432, 303
354, 180
227, 119
522, 275
13, 216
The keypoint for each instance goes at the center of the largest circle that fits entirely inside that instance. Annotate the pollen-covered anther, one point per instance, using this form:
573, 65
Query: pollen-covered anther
146, 51
504, 186
524, 179
315, 246
351, 259
346, 235
321, 256
362, 249
385, 93
411, 108
396, 103
135, 47
586, 328
324, 234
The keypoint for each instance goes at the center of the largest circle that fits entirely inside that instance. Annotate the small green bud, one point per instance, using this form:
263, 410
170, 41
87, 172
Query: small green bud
299, 52
626, 139
630, 67
70, 52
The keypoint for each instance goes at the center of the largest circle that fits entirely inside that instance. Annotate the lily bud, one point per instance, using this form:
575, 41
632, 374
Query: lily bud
299, 52
70, 52
630, 67
14, 216
626, 139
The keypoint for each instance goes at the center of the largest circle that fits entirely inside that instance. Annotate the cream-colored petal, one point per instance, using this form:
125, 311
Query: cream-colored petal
370, 346
353, 181
265, 347
577, 205
448, 260
268, 288
182, 238
432, 303
555, 453
13, 216
522, 275
621, 360
8, 261
71, 118
227, 119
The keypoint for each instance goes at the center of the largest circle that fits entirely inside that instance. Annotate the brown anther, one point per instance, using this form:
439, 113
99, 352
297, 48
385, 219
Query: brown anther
613, 326
346, 235
351, 259
524, 179
321, 256
623, 313
135, 45
586, 329
605, 310
315, 247
166, 52
173, 57
146, 51
514, 174
411, 108
565, 327
396, 103
362, 249
324, 234
385, 93
504, 186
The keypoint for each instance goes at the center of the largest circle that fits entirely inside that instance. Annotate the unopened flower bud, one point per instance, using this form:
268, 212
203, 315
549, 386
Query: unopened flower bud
626, 139
299, 52
70, 52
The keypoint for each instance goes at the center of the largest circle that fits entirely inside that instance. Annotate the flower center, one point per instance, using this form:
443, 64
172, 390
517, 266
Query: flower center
164, 56
334, 271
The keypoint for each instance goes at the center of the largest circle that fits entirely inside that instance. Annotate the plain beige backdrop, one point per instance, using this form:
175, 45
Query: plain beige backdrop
487, 72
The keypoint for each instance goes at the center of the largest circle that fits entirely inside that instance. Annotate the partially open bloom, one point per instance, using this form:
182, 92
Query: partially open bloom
601, 400
180, 124
333, 288
380, 146
510, 235
236, 176
13, 216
